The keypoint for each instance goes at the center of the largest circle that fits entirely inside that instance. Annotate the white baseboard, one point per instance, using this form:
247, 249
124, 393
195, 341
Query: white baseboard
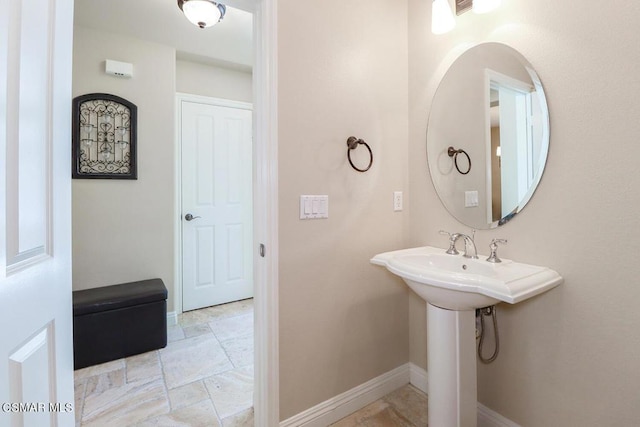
172, 318
336, 408
490, 418
418, 377
486, 416
344, 404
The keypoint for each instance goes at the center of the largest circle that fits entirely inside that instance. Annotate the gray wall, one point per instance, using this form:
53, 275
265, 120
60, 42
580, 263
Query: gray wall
568, 357
210, 80
123, 229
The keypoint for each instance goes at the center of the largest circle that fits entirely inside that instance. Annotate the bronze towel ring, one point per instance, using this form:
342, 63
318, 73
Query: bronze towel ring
452, 152
352, 143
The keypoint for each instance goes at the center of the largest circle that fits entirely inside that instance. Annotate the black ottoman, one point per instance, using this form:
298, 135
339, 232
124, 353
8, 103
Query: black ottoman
118, 321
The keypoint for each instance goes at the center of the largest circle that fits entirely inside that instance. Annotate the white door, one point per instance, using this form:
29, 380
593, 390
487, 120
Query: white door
36, 354
217, 232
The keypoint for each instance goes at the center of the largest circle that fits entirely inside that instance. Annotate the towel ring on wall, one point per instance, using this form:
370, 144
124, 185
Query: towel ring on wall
452, 152
352, 143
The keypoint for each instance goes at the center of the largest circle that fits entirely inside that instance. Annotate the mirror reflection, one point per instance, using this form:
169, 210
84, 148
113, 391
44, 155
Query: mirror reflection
490, 104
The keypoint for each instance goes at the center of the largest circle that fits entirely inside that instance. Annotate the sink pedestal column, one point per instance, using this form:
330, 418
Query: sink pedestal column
451, 358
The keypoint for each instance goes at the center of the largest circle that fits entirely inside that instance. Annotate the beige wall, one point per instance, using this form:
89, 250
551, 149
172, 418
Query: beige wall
123, 229
210, 80
568, 357
342, 71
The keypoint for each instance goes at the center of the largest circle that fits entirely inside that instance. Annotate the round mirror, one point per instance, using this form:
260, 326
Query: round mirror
488, 135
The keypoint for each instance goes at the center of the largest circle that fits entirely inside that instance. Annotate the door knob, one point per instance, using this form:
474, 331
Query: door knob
190, 217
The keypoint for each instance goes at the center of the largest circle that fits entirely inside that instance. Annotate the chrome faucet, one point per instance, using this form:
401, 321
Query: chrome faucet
470, 250
469, 245
493, 257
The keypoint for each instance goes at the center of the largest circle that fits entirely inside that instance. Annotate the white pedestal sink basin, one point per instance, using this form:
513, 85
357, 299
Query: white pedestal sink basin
453, 287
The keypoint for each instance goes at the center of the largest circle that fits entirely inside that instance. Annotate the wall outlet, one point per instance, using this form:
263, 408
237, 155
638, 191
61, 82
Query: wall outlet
397, 201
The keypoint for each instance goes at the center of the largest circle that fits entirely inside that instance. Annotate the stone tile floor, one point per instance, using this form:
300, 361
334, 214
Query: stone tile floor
405, 407
204, 377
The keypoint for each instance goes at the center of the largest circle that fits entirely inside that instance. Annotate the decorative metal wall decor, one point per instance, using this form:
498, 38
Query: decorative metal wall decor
104, 137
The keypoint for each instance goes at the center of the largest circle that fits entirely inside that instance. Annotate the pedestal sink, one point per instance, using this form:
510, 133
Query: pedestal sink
453, 287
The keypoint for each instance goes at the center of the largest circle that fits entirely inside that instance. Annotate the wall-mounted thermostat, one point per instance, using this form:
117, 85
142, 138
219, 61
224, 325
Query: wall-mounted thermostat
118, 69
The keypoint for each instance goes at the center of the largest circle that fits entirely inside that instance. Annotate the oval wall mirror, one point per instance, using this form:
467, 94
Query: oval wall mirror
488, 135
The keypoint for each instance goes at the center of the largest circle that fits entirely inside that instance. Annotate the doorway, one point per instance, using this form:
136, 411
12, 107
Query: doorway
265, 222
511, 117
215, 143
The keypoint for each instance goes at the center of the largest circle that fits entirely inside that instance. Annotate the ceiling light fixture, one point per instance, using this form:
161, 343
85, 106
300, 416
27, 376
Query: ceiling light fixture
203, 13
442, 20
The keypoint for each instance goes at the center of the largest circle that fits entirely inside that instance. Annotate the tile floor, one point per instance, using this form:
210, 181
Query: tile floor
204, 377
405, 407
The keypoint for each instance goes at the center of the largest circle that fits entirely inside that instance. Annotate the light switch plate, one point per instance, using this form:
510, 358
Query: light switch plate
314, 207
470, 199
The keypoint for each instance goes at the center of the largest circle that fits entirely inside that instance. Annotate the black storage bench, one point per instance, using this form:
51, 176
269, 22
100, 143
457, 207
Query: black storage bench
118, 321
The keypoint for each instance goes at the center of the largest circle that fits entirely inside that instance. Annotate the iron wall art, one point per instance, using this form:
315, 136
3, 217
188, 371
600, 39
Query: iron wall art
104, 137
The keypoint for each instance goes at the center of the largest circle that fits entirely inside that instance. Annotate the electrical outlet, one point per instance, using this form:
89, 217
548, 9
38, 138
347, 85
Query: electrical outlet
397, 201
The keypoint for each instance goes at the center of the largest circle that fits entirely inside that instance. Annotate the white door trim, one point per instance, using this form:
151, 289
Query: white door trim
265, 204
265, 221
219, 102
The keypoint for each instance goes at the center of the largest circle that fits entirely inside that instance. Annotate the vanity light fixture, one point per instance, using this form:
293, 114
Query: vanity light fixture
442, 20
203, 13
484, 6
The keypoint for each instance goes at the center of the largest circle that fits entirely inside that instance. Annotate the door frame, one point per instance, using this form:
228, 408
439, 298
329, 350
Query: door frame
178, 264
266, 400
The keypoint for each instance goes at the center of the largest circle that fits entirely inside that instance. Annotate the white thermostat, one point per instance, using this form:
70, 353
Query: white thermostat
118, 69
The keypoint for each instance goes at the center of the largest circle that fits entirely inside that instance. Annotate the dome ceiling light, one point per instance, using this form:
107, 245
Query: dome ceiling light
203, 13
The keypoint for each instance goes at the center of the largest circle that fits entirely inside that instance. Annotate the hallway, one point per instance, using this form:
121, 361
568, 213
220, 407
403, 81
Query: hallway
204, 377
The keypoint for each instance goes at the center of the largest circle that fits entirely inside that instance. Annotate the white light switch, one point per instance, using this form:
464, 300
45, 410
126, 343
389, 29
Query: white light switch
470, 199
314, 207
323, 209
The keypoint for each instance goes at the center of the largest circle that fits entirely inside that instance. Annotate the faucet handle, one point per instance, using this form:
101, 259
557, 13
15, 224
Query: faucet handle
452, 242
493, 246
